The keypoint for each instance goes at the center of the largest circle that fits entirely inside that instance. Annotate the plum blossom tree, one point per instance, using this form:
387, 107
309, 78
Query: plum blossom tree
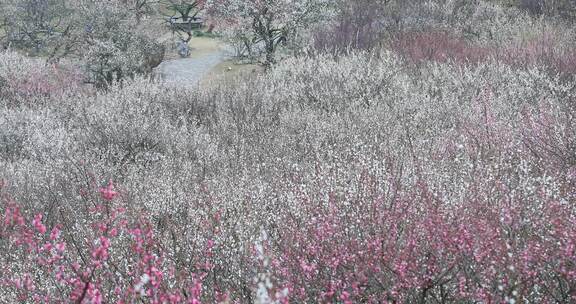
268, 23
34, 24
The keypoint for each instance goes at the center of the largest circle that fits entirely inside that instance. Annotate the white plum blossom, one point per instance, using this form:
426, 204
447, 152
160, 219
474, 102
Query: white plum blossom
267, 23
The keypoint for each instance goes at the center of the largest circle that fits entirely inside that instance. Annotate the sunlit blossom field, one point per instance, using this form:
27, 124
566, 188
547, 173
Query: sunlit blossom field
288, 151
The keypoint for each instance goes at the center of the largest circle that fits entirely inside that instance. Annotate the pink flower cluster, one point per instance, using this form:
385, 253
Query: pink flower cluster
123, 262
440, 46
50, 81
508, 236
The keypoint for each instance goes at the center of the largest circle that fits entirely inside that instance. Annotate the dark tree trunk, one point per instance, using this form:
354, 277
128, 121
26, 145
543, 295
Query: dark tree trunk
270, 60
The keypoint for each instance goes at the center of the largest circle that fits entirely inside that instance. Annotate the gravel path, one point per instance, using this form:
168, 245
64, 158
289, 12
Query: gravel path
189, 70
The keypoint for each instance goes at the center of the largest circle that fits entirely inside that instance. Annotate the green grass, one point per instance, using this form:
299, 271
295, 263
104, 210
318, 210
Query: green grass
203, 33
230, 69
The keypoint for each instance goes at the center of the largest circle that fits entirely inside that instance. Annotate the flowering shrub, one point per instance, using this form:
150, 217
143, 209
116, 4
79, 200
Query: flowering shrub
417, 47
121, 261
331, 179
115, 57
416, 248
381, 239
358, 25
23, 79
543, 51
563, 8
437, 46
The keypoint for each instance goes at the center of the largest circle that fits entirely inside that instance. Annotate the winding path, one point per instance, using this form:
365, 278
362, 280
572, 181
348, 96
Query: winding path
189, 71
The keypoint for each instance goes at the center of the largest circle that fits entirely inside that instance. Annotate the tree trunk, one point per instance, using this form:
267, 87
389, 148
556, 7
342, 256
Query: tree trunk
270, 60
